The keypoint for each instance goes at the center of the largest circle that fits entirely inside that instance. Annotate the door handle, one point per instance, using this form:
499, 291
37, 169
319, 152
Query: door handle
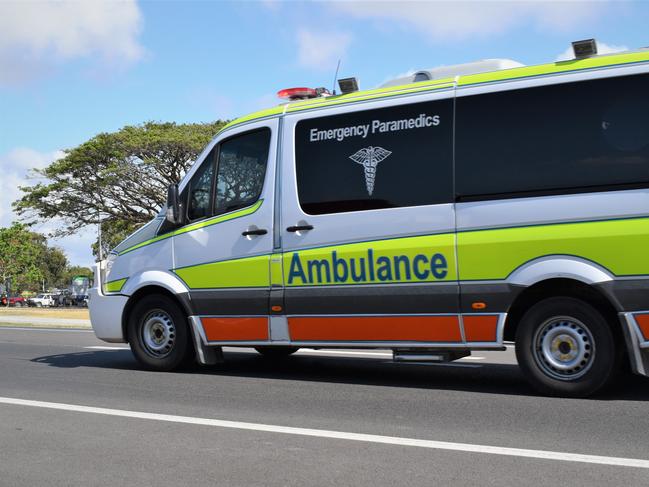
258, 231
299, 228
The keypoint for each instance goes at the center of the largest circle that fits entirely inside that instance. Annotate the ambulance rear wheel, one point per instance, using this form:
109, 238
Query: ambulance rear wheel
276, 352
158, 333
566, 347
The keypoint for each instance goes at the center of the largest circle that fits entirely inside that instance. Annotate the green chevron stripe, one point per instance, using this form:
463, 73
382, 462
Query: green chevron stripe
195, 226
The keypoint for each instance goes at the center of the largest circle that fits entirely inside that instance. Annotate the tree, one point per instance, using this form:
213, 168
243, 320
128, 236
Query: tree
21, 256
122, 176
53, 265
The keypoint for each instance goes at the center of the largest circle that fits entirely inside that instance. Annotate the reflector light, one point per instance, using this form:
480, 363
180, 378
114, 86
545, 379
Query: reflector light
297, 93
585, 48
348, 85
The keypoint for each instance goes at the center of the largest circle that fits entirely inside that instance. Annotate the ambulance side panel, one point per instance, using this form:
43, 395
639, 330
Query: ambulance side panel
369, 189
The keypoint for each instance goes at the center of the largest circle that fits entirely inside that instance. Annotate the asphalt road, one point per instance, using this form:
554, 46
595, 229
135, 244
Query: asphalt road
226, 425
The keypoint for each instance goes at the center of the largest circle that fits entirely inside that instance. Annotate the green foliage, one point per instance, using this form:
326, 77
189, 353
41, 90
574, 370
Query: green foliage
21, 255
122, 176
53, 265
26, 258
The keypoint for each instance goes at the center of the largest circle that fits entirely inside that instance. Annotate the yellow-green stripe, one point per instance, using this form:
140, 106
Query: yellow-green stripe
246, 272
621, 246
116, 285
195, 226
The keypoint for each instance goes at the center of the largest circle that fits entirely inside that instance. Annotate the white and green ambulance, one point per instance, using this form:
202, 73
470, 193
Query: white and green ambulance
432, 218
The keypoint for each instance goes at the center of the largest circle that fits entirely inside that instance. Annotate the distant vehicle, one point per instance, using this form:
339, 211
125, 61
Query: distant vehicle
40, 300
63, 298
17, 301
79, 287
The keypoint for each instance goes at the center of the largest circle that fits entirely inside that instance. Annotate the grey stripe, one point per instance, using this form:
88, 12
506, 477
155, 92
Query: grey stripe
386, 299
552, 209
230, 302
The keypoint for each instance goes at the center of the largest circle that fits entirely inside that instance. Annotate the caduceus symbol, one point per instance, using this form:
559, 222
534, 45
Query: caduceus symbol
369, 158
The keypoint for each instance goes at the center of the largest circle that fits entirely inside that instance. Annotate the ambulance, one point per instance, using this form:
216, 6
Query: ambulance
456, 209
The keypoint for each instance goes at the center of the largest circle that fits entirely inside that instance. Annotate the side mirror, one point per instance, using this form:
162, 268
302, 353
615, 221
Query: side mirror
174, 207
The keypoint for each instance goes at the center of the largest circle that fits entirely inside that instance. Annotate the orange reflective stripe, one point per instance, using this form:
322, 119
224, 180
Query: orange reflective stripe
223, 329
375, 328
643, 323
480, 328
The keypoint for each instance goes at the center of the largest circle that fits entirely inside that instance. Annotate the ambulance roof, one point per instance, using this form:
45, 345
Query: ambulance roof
496, 76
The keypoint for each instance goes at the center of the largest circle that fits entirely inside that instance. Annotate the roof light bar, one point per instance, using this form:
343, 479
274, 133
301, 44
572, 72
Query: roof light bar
297, 93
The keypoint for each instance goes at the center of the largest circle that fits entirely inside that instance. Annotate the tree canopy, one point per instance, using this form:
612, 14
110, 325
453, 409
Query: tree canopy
122, 176
26, 258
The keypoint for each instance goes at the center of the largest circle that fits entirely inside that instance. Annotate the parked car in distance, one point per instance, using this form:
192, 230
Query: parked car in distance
42, 299
63, 298
17, 301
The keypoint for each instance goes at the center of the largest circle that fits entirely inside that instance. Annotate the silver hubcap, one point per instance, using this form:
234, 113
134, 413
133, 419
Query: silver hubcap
158, 334
564, 348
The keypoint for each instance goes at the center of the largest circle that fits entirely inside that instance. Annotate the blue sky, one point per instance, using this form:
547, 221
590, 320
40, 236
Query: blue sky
71, 70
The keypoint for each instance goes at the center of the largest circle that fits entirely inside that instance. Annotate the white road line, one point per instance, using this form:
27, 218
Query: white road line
101, 347
472, 358
339, 435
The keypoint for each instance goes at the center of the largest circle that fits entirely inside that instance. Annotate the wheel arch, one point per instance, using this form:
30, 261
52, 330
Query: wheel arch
561, 286
182, 300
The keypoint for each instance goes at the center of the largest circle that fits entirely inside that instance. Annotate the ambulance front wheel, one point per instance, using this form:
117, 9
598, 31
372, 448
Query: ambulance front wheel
158, 333
566, 347
276, 352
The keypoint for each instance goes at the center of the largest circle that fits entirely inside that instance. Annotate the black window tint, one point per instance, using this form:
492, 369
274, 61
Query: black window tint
200, 190
577, 136
386, 158
241, 170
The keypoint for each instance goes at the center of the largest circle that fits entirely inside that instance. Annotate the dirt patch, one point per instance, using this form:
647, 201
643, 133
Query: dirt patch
67, 313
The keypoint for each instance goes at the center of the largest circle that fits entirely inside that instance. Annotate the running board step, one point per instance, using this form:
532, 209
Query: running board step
429, 355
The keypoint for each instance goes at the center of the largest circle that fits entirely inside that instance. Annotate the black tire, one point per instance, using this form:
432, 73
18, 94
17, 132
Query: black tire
276, 352
158, 334
18, 304
566, 347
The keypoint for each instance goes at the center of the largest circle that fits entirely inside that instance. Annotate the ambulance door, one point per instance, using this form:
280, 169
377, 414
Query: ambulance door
223, 253
367, 223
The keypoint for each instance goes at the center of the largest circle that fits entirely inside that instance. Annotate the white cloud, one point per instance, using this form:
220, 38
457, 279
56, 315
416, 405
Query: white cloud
601, 49
321, 50
37, 36
447, 21
15, 167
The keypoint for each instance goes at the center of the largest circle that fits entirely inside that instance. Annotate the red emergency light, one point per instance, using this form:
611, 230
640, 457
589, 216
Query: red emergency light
297, 93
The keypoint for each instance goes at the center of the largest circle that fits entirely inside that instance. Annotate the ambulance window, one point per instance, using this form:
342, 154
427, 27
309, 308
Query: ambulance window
385, 158
200, 190
241, 170
576, 137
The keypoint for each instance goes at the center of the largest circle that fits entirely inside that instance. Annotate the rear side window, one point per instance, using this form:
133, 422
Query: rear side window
589, 135
241, 169
386, 158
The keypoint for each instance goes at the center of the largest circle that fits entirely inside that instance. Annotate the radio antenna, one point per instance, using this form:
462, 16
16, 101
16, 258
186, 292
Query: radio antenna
333, 88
